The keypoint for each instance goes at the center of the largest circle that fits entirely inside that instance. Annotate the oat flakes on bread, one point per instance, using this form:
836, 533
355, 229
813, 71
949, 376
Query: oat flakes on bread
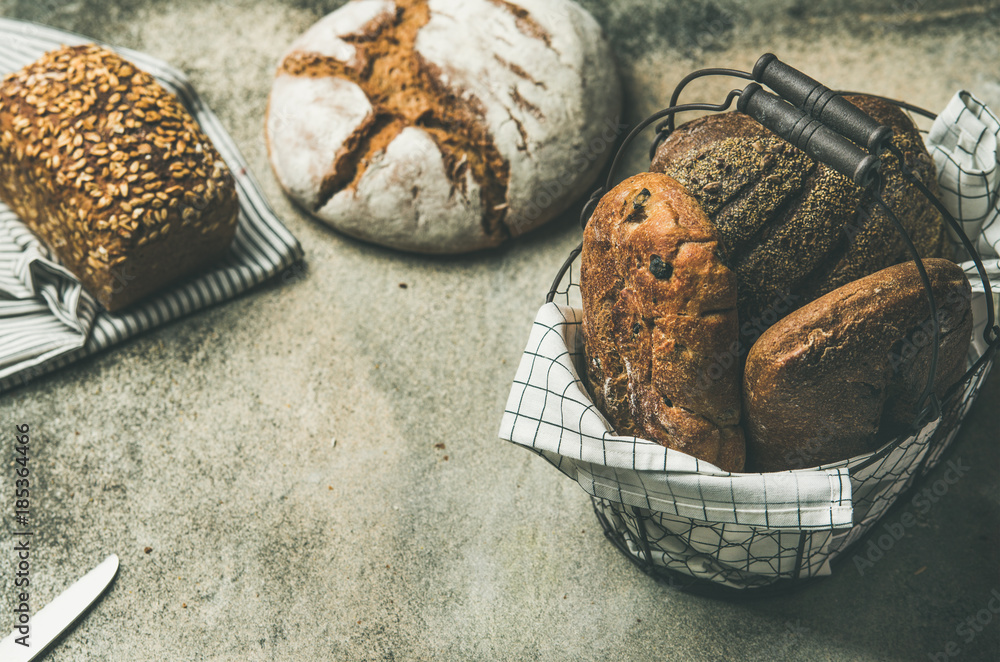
659, 321
112, 173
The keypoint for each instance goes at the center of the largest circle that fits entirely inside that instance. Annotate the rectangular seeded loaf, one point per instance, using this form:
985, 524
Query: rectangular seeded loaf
112, 173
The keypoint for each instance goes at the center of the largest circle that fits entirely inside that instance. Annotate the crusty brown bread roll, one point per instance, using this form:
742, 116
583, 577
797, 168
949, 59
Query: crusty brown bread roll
659, 316
112, 173
843, 374
792, 228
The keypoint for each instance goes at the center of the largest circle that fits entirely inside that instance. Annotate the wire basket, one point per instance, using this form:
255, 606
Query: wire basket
699, 554
672, 515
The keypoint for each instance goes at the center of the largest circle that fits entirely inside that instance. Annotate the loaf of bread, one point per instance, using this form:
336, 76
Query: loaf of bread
659, 319
792, 228
842, 375
112, 173
443, 126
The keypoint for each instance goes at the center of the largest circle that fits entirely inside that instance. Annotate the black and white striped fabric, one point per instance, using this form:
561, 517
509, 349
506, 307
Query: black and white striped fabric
47, 320
668, 510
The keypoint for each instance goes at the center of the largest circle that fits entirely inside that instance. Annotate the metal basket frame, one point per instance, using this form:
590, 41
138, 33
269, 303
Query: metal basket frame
946, 412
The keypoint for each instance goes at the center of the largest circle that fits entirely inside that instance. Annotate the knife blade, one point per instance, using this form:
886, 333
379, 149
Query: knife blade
56, 617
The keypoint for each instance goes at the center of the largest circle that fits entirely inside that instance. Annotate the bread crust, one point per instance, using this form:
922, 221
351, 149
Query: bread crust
111, 172
792, 228
457, 124
843, 374
659, 321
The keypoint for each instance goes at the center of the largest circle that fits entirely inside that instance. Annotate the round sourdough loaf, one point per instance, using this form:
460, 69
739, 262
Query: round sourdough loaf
659, 320
443, 126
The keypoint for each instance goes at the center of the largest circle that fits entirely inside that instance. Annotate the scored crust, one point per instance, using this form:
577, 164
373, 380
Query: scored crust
795, 229
455, 125
405, 91
659, 321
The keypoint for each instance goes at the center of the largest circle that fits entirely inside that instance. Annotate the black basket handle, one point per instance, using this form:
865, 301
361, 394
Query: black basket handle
810, 134
821, 102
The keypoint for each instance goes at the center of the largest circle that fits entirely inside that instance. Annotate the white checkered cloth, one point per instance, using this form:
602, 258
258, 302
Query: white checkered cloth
965, 144
47, 320
732, 528
550, 411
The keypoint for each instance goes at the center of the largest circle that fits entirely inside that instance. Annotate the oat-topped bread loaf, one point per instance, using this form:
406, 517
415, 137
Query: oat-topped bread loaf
112, 173
792, 228
659, 321
443, 126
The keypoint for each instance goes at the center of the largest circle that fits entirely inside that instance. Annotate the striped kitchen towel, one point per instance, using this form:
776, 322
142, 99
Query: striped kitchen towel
47, 320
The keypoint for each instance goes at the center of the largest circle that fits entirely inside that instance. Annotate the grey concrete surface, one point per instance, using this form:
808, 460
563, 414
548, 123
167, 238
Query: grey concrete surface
280, 455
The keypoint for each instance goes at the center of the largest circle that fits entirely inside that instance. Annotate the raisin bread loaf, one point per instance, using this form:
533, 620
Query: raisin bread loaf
659, 320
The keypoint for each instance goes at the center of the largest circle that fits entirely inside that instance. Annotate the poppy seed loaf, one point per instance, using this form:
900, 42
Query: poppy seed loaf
112, 173
659, 309
792, 228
